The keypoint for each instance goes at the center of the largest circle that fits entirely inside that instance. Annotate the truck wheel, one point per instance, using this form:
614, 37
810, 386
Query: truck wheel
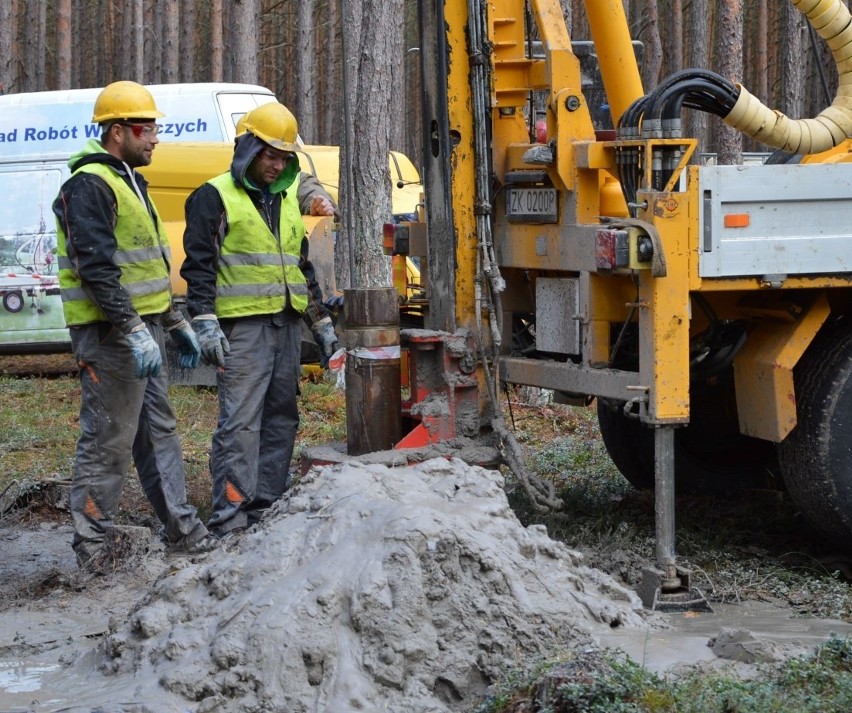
711, 455
816, 457
13, 301
629, 444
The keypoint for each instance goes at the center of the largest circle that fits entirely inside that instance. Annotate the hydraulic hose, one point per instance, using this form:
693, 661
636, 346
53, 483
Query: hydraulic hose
833, 22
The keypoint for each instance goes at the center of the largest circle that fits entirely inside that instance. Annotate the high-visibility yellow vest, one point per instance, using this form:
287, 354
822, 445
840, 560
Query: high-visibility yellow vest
257, 271
141, 255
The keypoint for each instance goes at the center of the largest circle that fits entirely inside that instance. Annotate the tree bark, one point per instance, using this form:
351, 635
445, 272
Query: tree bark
729, 60
653, 46
170, 10
40, 79
244, 33
792, 74
697, 122
9, 59
305, 107
217, 54
371, 30
331, 133
675, 42
189, 31
568, 14
138, 41
63, 44
761, 55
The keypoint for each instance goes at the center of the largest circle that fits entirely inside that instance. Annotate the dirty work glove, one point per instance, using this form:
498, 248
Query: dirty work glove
214, 345
146, 352
334, 303
187, 345
325, 338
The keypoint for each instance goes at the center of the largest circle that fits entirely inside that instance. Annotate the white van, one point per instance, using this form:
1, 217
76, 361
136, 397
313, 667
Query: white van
57, 124
39, 132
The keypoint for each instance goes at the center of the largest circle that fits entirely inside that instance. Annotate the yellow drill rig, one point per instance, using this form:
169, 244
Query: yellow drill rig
706, 308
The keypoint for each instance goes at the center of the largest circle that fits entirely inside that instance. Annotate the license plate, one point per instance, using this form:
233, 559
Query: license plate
531, 205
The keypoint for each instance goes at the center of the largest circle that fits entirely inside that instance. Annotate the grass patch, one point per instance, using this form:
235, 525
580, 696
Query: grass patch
39, 426
608, 682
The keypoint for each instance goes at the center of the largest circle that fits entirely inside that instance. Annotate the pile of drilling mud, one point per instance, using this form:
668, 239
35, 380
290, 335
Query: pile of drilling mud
368, 589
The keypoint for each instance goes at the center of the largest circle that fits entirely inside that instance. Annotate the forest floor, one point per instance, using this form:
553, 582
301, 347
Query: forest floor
777, 589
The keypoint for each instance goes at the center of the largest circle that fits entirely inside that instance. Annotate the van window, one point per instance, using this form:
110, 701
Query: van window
233, 106
27, 219
29, 282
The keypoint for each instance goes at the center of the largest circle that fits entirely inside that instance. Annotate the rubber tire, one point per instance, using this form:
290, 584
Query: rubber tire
13, 301
816, 457
711, 456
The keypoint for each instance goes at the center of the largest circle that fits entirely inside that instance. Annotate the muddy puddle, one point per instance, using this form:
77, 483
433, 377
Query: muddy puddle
744, 635
370, 588
739, 634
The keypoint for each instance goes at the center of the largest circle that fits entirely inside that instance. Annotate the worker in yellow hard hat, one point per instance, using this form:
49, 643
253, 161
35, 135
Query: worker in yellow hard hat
116, 296
313, 198
249, 285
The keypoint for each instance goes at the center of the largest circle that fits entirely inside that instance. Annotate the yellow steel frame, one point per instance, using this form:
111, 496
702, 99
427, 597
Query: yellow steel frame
462, 157
763, 372
582, 169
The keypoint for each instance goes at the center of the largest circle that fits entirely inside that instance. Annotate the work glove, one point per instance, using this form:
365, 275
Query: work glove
325, 338
146, 352
214, 344
334, 303
188, 348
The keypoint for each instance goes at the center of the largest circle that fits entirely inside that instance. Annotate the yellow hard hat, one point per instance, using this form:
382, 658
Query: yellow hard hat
272, 123
240, 128
124, 100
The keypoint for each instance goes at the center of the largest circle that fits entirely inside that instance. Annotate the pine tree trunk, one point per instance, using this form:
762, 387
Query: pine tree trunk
244, 28
138, 39
761, 55
305, 106
216, 48
696, 123
8, 47
653, 47
63, 44
332, 133
675, 43
792, 74
170, 10
729, 60
372, 28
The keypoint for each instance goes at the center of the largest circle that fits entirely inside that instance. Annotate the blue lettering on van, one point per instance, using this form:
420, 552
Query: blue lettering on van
51, 133
93, 131
187, 128
8, 137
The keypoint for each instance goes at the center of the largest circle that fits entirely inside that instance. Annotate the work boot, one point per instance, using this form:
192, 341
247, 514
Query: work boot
193, 545
99, 563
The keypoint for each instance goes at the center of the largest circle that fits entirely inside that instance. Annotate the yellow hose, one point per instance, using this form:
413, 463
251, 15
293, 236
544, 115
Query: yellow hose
832, 22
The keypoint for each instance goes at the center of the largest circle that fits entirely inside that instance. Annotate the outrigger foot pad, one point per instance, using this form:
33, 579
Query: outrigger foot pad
669, 599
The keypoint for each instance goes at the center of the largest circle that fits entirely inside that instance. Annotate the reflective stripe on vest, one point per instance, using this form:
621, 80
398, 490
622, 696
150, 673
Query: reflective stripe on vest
257, 272
144, 270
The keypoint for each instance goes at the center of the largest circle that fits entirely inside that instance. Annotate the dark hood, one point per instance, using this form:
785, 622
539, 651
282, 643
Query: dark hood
247, 147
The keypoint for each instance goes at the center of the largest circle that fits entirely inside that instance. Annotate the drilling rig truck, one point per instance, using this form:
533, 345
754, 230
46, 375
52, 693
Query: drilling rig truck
706, 308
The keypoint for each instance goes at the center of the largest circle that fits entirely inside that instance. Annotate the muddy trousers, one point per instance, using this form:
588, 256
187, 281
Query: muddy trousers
121, 416
258, 418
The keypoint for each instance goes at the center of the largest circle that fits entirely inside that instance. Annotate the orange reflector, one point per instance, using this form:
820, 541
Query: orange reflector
737, 220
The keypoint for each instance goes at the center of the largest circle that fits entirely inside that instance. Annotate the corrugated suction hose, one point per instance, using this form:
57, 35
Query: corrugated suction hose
833, 22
